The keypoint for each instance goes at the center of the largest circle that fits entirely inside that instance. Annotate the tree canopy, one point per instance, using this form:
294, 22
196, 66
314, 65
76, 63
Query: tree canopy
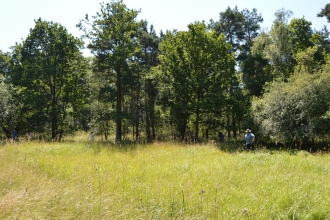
49, 69
112, 36
187, 85
295, 110
197, 67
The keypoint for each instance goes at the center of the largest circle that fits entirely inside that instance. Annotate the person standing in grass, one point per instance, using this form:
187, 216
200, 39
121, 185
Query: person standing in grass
15, 135
221, 137
30, 136
249, 139
92, 136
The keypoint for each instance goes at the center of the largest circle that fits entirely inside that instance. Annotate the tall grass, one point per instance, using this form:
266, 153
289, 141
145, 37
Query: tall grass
93, 180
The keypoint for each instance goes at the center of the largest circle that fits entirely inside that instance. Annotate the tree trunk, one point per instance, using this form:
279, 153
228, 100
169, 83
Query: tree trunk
54, 126
137, 131
183, 127
118, 108
228, 126
196, 125
54, 119
137, 128
234, 125
153, 121
147, 112
61, 122
150, 110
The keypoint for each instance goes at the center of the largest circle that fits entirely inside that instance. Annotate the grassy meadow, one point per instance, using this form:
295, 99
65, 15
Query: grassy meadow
80, 179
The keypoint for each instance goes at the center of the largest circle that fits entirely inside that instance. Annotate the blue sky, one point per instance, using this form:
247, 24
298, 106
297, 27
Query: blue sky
17, 16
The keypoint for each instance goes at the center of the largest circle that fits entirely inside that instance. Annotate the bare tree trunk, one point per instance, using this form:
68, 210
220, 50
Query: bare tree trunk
234, 125
137, 131
196, 125
118, 108
228, 126
54, 120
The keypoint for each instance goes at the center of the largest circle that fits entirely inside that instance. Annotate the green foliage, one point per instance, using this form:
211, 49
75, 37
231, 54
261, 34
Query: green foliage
256, 68
285, 48
145, 93
240, 29
321, 38
112, 33
4, 63
175, 85
251, 25
325, 12
231, 25
149, 42
197, 70
101, 101
301, 34
256, 72
296, 110
9, 106
49, 68
283, 42
10, 109
279, 50
306, 60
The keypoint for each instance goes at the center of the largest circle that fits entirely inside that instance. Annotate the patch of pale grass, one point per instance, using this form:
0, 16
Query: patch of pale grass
92, 180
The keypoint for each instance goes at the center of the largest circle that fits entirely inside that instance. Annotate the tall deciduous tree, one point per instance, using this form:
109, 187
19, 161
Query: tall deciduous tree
279, 51
274, 54
113, 41
297, 109
301, 34
49, 68
198, 67
10, 110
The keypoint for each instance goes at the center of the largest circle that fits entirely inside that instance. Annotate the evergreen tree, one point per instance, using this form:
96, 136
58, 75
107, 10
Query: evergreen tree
113, 41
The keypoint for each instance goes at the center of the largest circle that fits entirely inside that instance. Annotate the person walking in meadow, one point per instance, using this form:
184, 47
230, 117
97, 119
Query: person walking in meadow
92, 136
249, 139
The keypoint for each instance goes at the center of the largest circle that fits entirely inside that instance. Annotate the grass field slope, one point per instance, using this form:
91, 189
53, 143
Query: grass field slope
94, 180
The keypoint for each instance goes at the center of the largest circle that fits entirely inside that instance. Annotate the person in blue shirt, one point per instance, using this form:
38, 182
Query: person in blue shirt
221, 137
15, 135
249, 139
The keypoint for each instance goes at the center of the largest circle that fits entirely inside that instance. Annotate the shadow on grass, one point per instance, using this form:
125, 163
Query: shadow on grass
230, 146
235, 146
124, 146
